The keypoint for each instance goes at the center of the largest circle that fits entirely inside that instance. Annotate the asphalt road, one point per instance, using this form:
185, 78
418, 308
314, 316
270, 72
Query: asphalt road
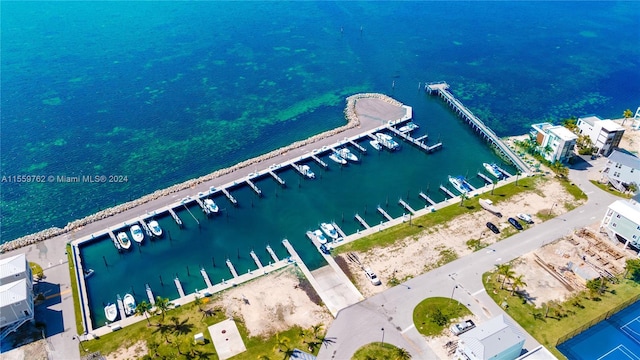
388, 316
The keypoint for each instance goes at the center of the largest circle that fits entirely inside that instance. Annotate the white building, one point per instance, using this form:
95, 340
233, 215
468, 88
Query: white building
495, 339
636, 120
605, 134
556, 142
622, 222
16, 294
621, 170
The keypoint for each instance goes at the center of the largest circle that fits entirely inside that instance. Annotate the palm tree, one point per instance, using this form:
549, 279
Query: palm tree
631, 267
516, 283
143, 308
198, 302
517, 175
506, 272
494, 185
163, 305
463, 197
626, 114
153, 348
282, 343
402, 354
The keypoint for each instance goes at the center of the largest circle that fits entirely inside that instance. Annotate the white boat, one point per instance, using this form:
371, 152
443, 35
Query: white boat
155, 228
345, 153
306, 171
493, 169
111, 312
123, 240
211, 205
375, 144
408, 128
320, 236
488, 205
129, 304
136, 233
88, 273
387, 141
460, 184
337, 158
330, 230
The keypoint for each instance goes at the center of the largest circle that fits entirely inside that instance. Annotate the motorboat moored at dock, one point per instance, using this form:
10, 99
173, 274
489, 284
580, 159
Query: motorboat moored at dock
330, 230
136, 233
155, 228
335, 156
408, 128
387, 141
345, 153
211, 205
87, 273
320, 236
111, 312
306, 171
375, 144
129, 304
123, 240
460, 184
493, 169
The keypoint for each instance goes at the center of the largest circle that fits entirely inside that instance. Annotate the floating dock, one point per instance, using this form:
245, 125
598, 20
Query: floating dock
231, 268
115, 241
254, 187
255, 258
144, 226
384, 213
175, 217
319, 161
339, 230
416, 142
446, 191
123, 315
277, 178
179, 286
358, 146
229, 196
205, 276
272, 253
427, 199
362, 222
406, 206
421, 138
485, 178
152, 300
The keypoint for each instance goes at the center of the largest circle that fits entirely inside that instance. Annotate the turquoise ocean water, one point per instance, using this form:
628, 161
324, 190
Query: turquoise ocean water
161, 92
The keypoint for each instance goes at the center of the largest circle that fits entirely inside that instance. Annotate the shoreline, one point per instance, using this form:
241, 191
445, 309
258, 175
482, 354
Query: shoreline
350, 114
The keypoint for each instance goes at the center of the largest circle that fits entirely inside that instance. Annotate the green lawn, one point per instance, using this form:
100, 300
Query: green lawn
378, 351
433, 315
608, 188
74, 291
561, 319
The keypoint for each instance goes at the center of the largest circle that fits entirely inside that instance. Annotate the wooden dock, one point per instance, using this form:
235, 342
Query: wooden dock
229, 196
152, 300
446, 191
319, 161
485, 178
231, 268
123, 315
427, 199
358, 146
175, 217
406, 206
254, 187
272, 253
384, 213
255, 258
179, 287
278, 178
362, 222
205, 276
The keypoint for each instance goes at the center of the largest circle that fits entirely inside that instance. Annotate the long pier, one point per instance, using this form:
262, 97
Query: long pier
362, 222
272, 253
175, 217
485, 178
229, 196
152, 300
231, 268
446, 191
278, 178
406, 206
442, 90
254, 187
179, 286
319, 161
205, 276
255, 258
427, 199
384, 213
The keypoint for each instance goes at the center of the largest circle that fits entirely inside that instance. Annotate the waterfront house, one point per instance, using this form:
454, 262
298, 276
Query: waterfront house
495, 339
556, 142
16, 294
622, 222
605, 134
621, 170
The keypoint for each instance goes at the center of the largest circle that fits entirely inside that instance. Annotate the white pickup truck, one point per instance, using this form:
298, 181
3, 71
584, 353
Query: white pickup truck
460, 328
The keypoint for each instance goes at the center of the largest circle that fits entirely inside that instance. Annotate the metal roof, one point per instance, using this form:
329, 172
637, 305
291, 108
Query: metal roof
12, 293
13, 265
492, 337
627, 210
626, 160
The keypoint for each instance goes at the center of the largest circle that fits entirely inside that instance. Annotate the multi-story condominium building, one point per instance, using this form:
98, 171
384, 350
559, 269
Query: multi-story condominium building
622, 222
605, 134
555, 141
16, 294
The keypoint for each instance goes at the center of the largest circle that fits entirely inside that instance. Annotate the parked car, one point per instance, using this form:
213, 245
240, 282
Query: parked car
515, 223
372, 276
463, 327
526, 218
493, 228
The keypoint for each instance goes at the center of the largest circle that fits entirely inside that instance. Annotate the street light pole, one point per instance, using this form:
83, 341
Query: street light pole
382, 336
80, 342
